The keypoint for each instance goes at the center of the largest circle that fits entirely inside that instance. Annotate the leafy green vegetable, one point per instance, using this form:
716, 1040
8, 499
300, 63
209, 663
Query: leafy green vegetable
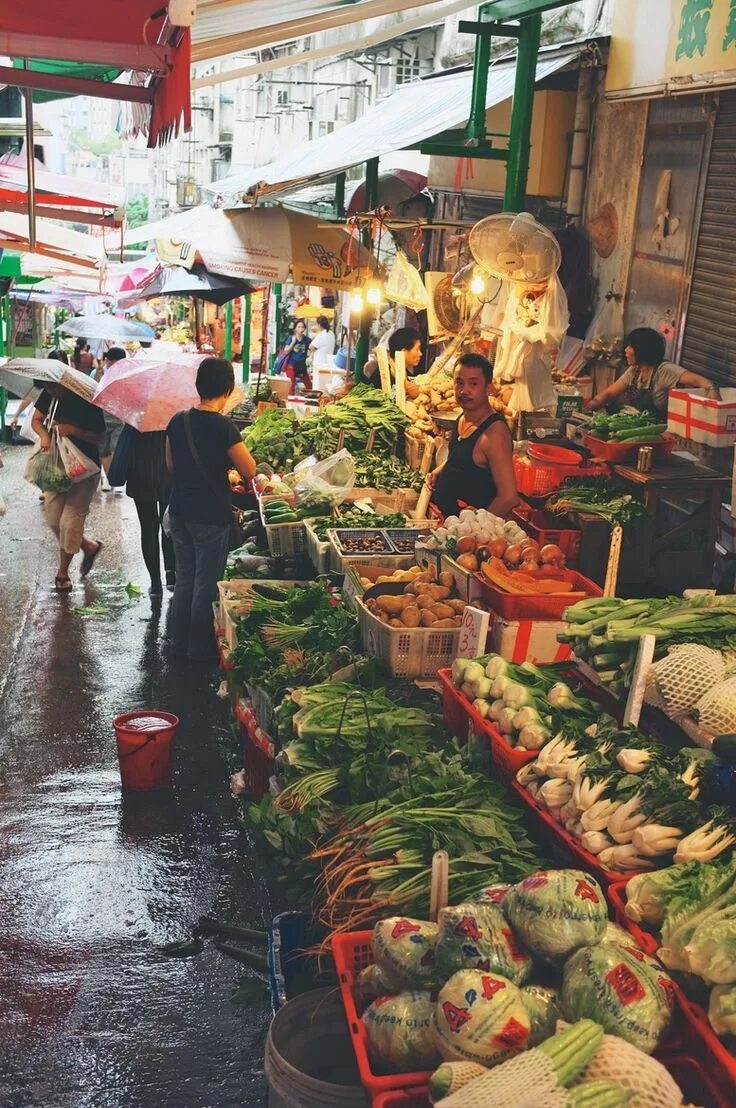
597, 496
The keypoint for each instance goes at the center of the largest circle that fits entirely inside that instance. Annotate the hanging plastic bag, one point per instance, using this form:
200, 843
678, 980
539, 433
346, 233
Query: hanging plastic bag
327, 482
45, 470
405, 286
3, 507
76, 463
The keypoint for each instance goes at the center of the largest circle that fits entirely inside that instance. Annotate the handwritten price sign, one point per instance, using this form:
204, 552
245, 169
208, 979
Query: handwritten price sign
473, 633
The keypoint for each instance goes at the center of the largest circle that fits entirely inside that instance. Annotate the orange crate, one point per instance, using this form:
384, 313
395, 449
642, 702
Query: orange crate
460, 716
352, 953
537, 524
537, 605
619, 452
535, 478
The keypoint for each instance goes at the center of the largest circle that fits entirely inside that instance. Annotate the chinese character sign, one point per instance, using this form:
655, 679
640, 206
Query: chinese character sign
661, 45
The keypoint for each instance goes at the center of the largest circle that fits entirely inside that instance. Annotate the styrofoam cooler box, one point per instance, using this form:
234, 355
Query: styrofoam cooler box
427, 556
528, 640
727, 529
693, 415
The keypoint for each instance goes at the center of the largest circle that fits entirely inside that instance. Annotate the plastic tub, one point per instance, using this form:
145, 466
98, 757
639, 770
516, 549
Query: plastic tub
308, 1059
616, 453
538, 605
145, 741
541, 527
352, 953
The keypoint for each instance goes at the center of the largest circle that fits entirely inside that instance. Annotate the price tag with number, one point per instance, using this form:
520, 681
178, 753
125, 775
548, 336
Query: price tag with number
384, 369
473, 633
400, 367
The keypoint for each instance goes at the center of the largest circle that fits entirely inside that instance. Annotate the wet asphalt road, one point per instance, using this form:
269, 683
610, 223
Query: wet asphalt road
91, 882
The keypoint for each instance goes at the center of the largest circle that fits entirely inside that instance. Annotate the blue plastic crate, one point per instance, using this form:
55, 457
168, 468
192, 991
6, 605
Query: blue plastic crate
288, 938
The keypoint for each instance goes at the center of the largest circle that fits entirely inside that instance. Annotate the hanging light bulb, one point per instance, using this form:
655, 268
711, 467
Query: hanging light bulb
356, 301
477, 284
372, 293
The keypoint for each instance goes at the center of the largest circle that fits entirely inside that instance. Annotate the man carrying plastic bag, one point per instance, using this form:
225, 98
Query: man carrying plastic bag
76, 429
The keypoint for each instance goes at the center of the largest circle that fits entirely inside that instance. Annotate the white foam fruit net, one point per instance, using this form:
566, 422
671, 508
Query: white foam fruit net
678, 681
645, 1078
716, 711
528, 1080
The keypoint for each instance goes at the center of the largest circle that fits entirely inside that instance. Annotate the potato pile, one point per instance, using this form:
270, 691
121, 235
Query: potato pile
437, 394
392, 577
427, 601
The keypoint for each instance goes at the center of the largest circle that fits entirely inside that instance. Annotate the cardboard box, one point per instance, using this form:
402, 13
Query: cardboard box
528, 640
693, 415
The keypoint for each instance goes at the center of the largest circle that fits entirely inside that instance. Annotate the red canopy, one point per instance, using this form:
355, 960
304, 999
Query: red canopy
121, 34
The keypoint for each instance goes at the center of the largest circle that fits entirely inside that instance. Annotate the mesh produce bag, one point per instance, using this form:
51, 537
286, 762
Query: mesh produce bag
648, 1081
716, 711
530, 1079
678, 681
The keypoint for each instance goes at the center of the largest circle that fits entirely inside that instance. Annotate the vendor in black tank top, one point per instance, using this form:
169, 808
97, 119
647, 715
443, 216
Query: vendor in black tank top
479, 469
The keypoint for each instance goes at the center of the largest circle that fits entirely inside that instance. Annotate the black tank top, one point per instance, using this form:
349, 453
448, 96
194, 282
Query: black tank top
461, 478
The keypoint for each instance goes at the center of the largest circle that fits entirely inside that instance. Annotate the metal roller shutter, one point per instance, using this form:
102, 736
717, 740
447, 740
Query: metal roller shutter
709, 341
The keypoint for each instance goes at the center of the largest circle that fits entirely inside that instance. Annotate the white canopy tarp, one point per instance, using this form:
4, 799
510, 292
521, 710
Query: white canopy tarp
415, 113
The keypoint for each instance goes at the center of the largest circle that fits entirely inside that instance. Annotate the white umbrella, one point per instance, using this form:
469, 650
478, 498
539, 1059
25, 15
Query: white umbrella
18, 374
108, 328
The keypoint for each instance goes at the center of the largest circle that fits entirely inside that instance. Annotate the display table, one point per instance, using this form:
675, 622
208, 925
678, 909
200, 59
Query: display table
674, 545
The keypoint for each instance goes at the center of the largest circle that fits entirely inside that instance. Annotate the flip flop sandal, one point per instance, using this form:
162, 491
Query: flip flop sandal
63, 584
89, 560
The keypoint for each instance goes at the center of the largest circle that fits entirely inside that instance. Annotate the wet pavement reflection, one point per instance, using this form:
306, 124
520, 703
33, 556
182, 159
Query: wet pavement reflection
93, 882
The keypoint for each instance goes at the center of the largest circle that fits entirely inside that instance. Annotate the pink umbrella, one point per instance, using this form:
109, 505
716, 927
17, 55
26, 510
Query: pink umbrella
147, 392
394, 187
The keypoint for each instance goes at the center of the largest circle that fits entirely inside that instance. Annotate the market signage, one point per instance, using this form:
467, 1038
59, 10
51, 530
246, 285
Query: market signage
668, 46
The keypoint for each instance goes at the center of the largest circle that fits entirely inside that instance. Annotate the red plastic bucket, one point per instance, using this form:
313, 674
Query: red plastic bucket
146, 748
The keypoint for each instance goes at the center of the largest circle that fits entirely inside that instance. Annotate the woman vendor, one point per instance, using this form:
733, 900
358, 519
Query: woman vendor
647, 381
479, 471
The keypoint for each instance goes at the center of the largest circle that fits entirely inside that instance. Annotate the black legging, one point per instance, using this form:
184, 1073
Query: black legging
150, 514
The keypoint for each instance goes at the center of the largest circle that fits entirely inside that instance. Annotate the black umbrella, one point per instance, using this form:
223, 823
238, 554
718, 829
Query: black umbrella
197, 282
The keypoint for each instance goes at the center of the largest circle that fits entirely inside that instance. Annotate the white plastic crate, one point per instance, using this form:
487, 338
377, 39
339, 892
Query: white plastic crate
407, 651
282, 538
318, 552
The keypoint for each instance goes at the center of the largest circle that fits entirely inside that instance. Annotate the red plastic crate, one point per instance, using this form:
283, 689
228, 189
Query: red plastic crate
456, 707
536, 523
617, 453
404, 1098
537, 605
583, 857
703, 1041
352, 953
539, 478
258, 752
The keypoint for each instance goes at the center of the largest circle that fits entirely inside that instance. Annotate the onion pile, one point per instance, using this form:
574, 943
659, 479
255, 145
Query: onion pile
527, 554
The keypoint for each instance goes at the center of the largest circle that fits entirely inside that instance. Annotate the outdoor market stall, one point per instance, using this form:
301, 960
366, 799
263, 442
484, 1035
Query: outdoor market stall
460, 686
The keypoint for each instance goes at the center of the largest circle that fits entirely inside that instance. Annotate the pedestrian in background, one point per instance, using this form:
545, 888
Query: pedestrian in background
149, 487
82, 358
66, 511
113, 426
201, 446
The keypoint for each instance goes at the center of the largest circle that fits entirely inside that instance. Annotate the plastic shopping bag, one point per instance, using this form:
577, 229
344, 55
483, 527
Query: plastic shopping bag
326, 482
45, 470
77, 465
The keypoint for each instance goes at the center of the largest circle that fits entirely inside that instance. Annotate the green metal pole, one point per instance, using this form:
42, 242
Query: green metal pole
3, 392
476, 128
245, 317
277, 294
371, 201
517, 167
229, 330
340, 195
